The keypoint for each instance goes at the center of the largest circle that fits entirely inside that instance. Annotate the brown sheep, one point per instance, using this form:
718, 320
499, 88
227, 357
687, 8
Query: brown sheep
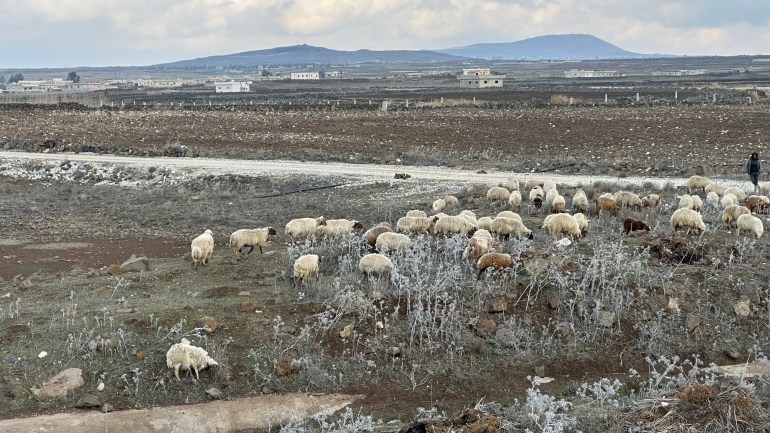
606, 205
494, 261
632, 225
372, 234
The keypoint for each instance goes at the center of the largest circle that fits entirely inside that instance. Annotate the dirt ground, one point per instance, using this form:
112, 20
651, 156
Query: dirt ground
59, 237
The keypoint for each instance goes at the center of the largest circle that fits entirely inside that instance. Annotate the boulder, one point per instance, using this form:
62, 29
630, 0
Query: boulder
60, 384
135, 264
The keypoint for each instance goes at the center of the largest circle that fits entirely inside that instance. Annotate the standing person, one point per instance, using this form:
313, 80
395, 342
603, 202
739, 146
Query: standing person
753, 167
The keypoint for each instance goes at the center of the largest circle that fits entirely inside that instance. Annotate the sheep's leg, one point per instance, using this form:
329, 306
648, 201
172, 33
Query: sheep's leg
196, 373
176, 371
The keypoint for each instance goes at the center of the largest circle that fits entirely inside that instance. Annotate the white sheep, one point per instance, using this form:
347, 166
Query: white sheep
582, 223
452, 224
439, 205
750, 223
250, 238
371, 235
515, 199
306, 266
469, 216
715, 187
712, 199
651, 200
737, 192
512, 184
477, 245
414, 225
580, 201
375, 264
201, 248
417, 213
302, 228
731, 213
532, 183
504, 227
484, 223
562, 224
550, 195
337, 227
536, 195
549, 185
685, 202
184, 356
697, 182
697, 203
607, 195
558, 205
684, 218
390, 241
498, 193
627, 199
728, 199
764, 187
451, 201
509, 214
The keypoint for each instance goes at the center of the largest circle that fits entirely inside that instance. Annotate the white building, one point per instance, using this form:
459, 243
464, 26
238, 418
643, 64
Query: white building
232, 86
580, 73
477, 71
55, 85
304, 76
479, 78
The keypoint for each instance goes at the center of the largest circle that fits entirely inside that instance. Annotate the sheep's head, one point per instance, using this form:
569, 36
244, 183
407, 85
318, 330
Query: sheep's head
358, 225
271, 231
208, 232
321, 221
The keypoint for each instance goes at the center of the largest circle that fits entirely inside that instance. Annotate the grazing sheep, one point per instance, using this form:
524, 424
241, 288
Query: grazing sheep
483, 234
712, 199
582, 223
731, 213
632, 225
477, 247
484, 223
493, 261
627, 199
550, 195
536, 196
558, 205
686, 202
764, 187
184, 356
754, 202
302, 228
737, 192
469, 216
563, 224
715, 187
451, 201
697, 203
580, 201
452, 224
414, 225
250, 238
337, 227
201, 248
651, 200
306, 266
390, 241
534, 183
509, 214
728, 199
605, 205
375, 264
498, 193
697, 182
684, 218
512, 184
439, 205
505, 227
750, 223
549, 185
417, 213
371, 235
607, 195
515, 199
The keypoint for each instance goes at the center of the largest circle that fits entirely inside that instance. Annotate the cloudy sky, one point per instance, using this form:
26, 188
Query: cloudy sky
68, 33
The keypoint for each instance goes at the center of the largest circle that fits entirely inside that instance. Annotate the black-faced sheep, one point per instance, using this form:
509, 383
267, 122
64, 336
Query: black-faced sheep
250, 238
337, 227
201, 248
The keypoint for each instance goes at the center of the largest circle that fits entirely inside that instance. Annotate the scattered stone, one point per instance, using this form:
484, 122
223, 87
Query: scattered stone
266, 390
499, 305
527, 319
732, 353
742, 308
564, 329
244, 293
88, 400
207, 323
606, 319
692, 322
60, 384
115, 270
248, 307
673, 306
402, 176
345, 332
554, 303
14, 390
135, 264
214, 393
140, 355
285, 367
100, 387
486, 325
107, 408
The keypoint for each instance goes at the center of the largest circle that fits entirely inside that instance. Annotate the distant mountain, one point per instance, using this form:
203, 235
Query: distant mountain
550, 47
306, 55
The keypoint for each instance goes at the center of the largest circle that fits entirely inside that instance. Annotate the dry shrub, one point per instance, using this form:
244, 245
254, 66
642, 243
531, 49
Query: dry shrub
559, 99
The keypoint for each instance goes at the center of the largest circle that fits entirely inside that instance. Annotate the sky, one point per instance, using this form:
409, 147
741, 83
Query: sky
71, 33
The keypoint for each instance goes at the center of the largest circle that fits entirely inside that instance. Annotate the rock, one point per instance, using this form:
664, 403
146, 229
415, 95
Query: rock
732, 353
527, 319
135, 264
540, 371
88, 400
60, 384
107, 408
214, 393
554, 303
207, 323
499, 305
285, 367
606, 319
742, 308
14, 390
486, 325
244, 293
266, 390
692, 322
248, 307
345, 332
535, 266
115, 270
673, 306
140, 355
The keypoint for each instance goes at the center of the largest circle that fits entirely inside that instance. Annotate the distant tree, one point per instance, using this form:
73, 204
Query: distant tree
265, 73
74, 77
15, 78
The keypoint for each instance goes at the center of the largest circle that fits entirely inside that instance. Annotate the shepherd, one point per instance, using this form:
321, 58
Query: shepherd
753, 167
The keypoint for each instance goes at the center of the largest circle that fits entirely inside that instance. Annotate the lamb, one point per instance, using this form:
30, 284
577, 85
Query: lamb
559, 204
605, 205
534, 183
728, 199
582, 223
306, 266
201, 248
737, 192
627, 199
371, 235
451, 201
732, 212
509, 214
439, 205
390, 241
417, 213
651, 200
515, 199
250, 238
684, 218
498, 193
375, 264
632, 225
484, 223
580, 201
754, 202
563, 224
184, 356
764, 187
712, 199
750, 223
697, 182
493, 261
414, 225
715, 187
505, 227
337, 227
453, 224
302, 228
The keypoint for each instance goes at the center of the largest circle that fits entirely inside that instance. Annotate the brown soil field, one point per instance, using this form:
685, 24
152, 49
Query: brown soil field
429, 339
